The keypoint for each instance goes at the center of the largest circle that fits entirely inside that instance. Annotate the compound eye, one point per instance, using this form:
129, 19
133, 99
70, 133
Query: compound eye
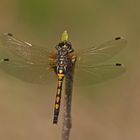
58, 47
69, 44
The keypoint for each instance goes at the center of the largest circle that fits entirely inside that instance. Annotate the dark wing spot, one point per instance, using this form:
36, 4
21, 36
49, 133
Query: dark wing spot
118, 64
6, 59
9, 34
117, 38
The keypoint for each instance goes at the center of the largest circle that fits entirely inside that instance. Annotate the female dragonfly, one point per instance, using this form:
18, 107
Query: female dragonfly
36, 64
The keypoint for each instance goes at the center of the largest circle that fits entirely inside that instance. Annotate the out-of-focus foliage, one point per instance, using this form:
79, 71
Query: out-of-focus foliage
36, 13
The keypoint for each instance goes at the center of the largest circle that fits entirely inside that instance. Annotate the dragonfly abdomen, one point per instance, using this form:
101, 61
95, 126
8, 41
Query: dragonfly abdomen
60, 75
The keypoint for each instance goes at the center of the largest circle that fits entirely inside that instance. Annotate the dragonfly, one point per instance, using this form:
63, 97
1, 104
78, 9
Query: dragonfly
39, 65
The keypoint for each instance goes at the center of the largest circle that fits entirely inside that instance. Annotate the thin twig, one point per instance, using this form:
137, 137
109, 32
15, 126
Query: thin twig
67, 120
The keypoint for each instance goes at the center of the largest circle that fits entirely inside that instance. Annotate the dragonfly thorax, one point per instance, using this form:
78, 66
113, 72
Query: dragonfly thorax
64, 62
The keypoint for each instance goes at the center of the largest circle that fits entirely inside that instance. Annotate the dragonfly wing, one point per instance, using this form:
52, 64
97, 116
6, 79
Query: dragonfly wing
86, 75
23, 49
105, 51
24, 60
37, 74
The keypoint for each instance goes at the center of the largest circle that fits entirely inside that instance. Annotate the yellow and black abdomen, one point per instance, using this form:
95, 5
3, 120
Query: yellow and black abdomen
60, 75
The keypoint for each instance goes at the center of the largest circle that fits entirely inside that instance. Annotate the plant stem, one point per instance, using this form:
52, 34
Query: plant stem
67, 120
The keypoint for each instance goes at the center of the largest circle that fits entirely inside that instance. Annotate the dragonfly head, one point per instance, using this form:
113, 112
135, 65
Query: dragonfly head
64, 45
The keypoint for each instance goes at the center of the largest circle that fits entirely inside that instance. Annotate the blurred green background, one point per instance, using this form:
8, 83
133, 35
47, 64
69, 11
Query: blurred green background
107, 111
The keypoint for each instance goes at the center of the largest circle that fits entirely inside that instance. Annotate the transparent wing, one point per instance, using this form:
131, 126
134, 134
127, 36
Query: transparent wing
23, 49
86, 75
105, 51
24, 60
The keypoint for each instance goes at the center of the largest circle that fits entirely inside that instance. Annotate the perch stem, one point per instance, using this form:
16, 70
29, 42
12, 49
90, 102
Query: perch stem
67, 119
